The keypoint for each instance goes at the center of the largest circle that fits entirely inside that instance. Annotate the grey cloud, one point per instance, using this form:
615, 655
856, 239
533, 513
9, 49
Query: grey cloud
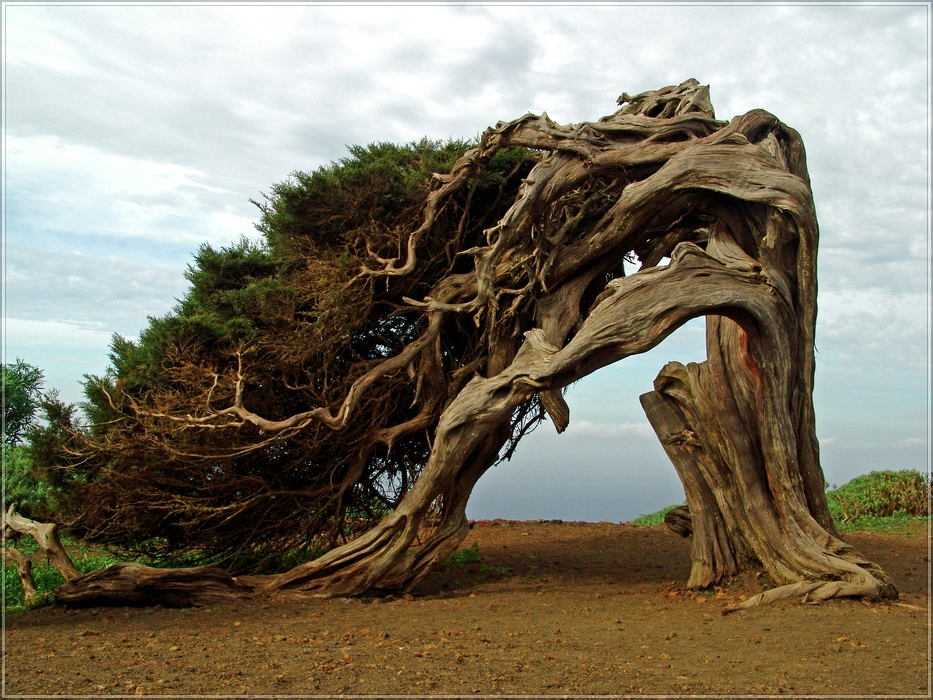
502, 62
198, 133
874, 327
237, 101
110, 294
166, 101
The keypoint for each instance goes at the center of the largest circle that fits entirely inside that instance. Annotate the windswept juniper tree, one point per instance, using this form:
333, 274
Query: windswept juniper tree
399, 332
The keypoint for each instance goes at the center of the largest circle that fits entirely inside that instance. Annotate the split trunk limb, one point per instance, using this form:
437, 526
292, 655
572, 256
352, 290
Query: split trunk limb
469, 436
733, 474
24, 569
719, 548
767, 504
46, 536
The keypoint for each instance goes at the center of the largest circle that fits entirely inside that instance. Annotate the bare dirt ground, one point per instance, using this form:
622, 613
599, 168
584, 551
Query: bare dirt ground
551, 609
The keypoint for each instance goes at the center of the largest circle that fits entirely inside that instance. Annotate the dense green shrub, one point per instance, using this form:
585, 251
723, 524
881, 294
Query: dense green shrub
22, 391
881, 494
33, 423
30, 493
653, 518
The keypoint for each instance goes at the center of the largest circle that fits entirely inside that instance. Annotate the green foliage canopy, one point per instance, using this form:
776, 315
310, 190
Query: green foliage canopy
22, 392
285, 325
37, 426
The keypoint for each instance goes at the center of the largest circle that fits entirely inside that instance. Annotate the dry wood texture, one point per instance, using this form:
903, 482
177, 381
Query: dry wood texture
555, 291
45, 535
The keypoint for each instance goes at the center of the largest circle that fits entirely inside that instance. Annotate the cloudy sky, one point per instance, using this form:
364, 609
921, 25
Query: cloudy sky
132, 134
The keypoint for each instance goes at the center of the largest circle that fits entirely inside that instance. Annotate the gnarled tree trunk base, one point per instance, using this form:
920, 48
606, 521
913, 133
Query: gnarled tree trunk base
730, 205
742, 502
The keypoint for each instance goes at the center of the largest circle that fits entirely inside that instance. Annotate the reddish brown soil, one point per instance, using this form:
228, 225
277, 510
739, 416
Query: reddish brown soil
552, 609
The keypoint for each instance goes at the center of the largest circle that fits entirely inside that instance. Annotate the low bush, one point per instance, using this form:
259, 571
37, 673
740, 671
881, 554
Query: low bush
654, 518
464, 556
32, 495
881, 494
879, 500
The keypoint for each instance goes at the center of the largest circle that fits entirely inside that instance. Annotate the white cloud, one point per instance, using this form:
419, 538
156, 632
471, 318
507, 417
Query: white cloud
63, 188
610, 431
64, 334
907, 443
873, 327
31, 44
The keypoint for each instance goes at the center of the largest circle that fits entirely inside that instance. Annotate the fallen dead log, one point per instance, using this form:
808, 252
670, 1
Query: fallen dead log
120, 584
135, 584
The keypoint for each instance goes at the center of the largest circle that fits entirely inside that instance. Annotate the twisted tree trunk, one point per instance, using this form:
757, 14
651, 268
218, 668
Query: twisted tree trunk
730, 205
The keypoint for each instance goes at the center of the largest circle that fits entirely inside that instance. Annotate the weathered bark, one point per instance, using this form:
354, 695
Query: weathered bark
678, 520
134, 584
730, 204
24, 569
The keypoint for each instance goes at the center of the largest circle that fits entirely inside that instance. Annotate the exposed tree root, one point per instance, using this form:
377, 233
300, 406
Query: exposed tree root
814, 591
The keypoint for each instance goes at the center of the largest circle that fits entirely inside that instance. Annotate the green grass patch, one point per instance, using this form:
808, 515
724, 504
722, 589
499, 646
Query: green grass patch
470, 555
654, 518
893, 524
464, 556
495, 569
880, 501
45, 576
